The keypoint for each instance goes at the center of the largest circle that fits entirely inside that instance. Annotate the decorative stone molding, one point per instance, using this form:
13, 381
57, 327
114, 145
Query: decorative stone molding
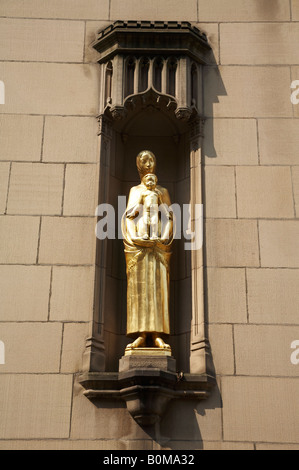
146, 391
150, 67
137, 56
151, 37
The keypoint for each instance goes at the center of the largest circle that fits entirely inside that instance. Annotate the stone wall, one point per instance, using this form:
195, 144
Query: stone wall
48, 194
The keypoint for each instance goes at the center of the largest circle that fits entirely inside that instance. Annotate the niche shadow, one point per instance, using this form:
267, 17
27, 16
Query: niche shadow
181, 424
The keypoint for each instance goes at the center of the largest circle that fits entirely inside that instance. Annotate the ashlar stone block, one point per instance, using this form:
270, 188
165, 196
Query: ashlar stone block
31, 347
273, 296
74, 9
50, 88
24, 292
242, 10
230, 142
19, 239
220, 198
35, 188
70, 139
246, 92
295, 10
81, 189
172, 10
265, 350
278, 141
279, 243
263, 409
232, 243
226, 294
41, 40
20, 137
72, 293
34, 406
223, 358
67, 240
259, 43
264, 192
71, 358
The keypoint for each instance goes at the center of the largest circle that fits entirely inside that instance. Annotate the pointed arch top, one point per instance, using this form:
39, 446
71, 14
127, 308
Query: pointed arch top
152, 55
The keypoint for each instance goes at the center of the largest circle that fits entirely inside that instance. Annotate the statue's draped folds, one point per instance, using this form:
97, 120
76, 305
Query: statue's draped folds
147, 261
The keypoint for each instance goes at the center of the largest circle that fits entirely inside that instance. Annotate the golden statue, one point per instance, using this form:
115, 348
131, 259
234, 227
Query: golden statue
147, 243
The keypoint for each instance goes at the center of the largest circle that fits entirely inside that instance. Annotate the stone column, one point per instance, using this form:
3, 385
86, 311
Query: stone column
151, 73
164, 77
117, 89
200, 356
183, 83
94, 355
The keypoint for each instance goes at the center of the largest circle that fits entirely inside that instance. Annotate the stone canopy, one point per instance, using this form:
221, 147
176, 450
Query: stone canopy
151, 37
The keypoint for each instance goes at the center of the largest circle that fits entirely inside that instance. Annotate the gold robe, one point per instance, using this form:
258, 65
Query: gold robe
147, 276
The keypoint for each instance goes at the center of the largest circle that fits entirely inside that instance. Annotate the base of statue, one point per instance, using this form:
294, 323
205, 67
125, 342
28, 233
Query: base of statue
147, 381
147, 352
152, 373
147, 358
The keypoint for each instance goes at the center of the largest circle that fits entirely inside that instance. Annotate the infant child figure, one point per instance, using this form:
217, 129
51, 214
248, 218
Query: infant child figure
150, 200
151, 203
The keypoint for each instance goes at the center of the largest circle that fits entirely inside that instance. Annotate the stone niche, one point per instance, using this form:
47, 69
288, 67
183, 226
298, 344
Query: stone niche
151, 98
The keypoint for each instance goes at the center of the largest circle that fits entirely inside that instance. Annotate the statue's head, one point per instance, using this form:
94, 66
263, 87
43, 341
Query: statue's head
146, 163
150, 181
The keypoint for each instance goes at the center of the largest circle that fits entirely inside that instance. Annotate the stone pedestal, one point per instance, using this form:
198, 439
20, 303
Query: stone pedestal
147, 358
147, 381
148, 399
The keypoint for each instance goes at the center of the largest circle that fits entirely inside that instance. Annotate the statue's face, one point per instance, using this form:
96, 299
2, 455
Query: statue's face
146, 163
150, 181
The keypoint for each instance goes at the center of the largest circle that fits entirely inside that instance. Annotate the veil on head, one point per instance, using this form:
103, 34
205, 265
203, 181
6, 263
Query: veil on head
143, 171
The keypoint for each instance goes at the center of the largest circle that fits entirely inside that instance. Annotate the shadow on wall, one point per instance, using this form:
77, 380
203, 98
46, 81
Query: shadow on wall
213, 88
185, 426
263, 9
184, 423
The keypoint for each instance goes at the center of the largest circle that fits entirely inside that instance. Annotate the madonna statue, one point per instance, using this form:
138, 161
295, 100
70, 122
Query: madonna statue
147, 227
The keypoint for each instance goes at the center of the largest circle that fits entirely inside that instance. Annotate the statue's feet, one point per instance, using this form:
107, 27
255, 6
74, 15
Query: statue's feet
161, 344
138, 343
